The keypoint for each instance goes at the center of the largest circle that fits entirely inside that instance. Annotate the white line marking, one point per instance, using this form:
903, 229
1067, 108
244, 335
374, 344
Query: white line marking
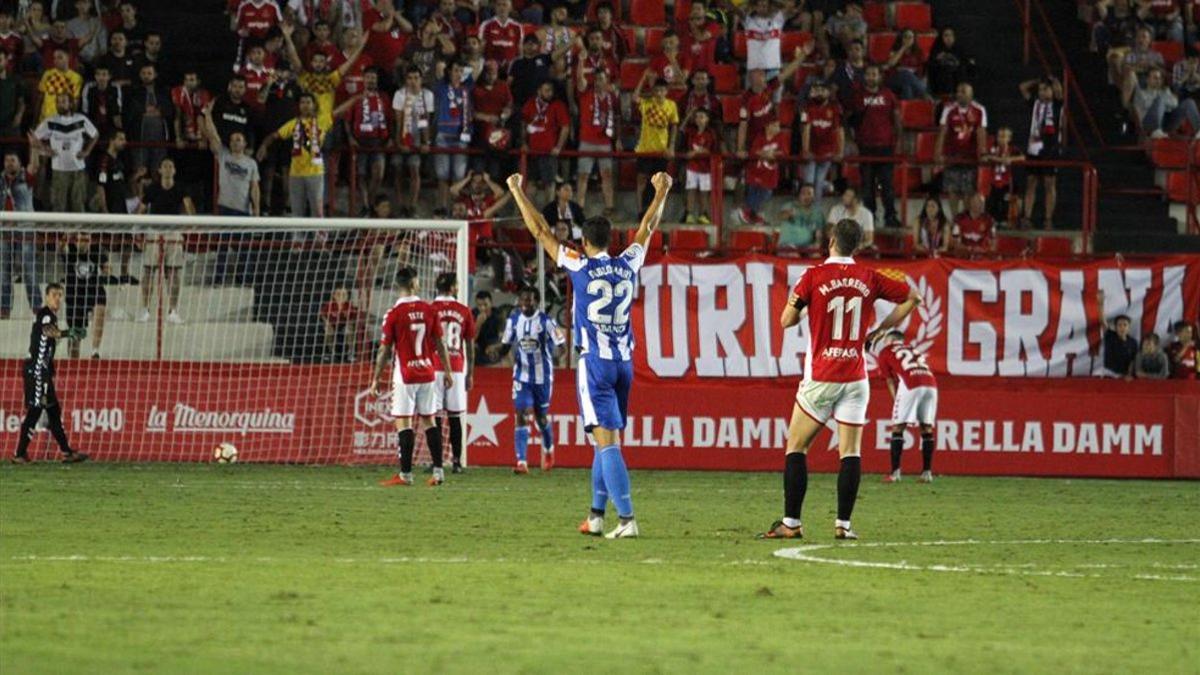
804, 554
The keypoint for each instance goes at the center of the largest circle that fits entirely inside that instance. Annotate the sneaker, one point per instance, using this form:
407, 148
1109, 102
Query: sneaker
780, 531
118, 314
20, 459
926, 477
1158, 134
521, 468
398, 479
893, 477
438, 478
593, 526
547, 460
174, 318
457, 468
143, 316
626, 530
840, 532
704, 220
74, 457
691, 219
744, 217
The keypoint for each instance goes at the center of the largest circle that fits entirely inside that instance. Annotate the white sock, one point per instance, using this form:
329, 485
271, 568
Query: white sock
844, 524
792, 522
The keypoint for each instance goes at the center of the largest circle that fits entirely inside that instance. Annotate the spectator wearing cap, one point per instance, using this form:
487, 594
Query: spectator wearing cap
822, 138
599, 119
546, 125
877, 112
656, 140
974, 230
962, 138
527, 73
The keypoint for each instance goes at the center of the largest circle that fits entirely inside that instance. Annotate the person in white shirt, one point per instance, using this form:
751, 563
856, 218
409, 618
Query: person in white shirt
851, 208
414, 109
764, 29
68, 138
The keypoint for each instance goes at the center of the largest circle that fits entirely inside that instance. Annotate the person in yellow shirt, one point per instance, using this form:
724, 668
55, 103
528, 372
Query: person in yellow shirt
318, 79
58, 80
306, 132
660, 122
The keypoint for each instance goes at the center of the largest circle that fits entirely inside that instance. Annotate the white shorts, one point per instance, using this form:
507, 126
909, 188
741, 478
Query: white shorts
454, 399
915, 406
698, 181
845, 402
410, 400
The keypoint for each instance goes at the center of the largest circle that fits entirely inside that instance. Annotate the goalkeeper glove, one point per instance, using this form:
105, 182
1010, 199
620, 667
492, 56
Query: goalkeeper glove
75, 333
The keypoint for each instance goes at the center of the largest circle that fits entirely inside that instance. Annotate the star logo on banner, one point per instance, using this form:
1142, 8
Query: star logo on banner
481, 424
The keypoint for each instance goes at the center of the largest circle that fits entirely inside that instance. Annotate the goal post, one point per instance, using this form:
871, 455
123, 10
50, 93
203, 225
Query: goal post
203, 329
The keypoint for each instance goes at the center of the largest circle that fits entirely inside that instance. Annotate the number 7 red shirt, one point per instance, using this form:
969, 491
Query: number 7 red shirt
839, 293
411, 326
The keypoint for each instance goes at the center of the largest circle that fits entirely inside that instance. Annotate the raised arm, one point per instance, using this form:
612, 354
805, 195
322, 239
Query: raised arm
293, 56
898, 314
653, 216
798, 57
534, 221
209, 130
351, 59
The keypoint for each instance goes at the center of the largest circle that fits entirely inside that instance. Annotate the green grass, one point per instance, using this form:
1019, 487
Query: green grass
169, 568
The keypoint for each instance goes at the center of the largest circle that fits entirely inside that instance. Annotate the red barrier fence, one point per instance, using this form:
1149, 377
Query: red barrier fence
164, 411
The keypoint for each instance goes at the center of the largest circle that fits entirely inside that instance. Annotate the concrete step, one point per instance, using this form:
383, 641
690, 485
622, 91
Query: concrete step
196, 303
216, 341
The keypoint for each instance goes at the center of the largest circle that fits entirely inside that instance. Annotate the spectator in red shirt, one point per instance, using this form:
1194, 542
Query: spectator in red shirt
11, 42
762, 173
321, 41
698, 37
189, 99
386, 32
599, 119
544, 133
614, 42
974, 230
493, 106
702, 143
501, 34
593, 60
254, 18
341, 319
877, 111
1164, 17
822, 138
760, 101
962, 137
670, 66
256, 74
1001, 156
907, 66
700, 97
369, 121
58, 38
1182, 352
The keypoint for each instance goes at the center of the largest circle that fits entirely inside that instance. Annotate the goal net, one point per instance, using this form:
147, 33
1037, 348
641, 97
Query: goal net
202, 330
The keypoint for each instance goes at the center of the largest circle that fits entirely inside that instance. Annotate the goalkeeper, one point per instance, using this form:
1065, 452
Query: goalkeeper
40, 395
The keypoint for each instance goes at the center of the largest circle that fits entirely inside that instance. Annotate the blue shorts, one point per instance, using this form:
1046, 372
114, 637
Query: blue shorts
603, 390
535, 396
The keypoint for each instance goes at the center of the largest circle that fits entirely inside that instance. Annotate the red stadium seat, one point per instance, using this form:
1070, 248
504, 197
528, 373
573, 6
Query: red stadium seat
1169, 153
1012, 247
655, 245
875, 14
893, 242
1172, 52
879, 47
631, 73
852, 173
792, 39
682, 9
691, 241
746, 241
739, 45
925, 42
653, 39
912, 15
630, 37
1177, 187
926, 144
906, 180
731, 108
519, 236
916, 114
983, 180
725, 78
1054, 247
627, 175
647, 13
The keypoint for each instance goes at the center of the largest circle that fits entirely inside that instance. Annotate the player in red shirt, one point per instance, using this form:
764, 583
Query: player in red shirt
974, 230
838, 294
502, 35
914, 399
458, 333
412, 332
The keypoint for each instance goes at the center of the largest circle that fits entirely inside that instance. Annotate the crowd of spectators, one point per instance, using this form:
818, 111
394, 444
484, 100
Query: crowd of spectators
1124, 358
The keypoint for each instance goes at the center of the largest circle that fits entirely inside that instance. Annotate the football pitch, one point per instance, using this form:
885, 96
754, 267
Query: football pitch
204, 568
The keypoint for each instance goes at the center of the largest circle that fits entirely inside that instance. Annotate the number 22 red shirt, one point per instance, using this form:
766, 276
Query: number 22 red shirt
411, 326
898, 360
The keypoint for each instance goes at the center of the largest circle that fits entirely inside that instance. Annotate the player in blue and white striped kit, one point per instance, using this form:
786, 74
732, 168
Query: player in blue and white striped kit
604, 288
534, 338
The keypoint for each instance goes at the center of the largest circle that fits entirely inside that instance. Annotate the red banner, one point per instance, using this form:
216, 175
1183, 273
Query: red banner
707, 321
322, 414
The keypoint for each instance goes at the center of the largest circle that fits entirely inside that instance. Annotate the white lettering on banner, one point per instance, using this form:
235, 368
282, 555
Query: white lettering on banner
679, 278
1022, 353
10, 422
1104, 439
717, 328
1087, 438
704, 432
1131, 302
760, 276
981, 333
187, 419
1071, 354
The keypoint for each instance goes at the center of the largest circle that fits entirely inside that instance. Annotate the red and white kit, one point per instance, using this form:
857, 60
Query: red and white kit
838, 294
457, 327
916, 391
411, 327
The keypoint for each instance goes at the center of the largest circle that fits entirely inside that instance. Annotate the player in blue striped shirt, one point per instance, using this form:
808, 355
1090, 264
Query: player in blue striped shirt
604, 289
534, 339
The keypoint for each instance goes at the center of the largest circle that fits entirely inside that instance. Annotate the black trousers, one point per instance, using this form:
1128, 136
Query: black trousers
878, 175
40, 396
